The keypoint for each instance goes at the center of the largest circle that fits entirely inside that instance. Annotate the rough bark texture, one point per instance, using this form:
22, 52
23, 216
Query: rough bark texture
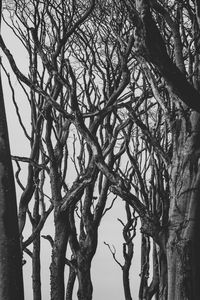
183, 243
84, 254
84, 279
58, 257
11, 282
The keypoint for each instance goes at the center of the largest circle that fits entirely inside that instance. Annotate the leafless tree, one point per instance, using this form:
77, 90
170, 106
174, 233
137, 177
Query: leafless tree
122, 79
166, 42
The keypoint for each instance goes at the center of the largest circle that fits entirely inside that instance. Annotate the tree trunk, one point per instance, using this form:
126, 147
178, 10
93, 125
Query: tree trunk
162, 293
126, 283
70, 283
36, 269
85, 288
11, 282
183, 246
58, 257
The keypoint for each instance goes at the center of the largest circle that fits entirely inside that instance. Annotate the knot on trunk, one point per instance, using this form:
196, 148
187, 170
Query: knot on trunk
150, 226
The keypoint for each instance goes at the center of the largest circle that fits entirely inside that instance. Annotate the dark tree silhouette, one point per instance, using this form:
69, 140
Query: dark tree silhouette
11, 282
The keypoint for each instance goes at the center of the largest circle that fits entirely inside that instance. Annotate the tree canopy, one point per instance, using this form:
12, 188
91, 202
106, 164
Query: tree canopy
113, 94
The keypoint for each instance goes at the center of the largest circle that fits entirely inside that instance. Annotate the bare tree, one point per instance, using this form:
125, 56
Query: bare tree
177, 63
129, 232
60, 104
123, 76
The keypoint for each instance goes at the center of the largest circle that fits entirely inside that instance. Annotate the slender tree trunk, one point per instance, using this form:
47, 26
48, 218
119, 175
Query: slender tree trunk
36, 270
36, 266
145, 248
126, 283
183, 245
70, 283
58, 257
162, 293
11, 282
158, 287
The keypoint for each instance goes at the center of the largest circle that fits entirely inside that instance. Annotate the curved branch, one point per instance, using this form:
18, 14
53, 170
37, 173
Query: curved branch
38, 228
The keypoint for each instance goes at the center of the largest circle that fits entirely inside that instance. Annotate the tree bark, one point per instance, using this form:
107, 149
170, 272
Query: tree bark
163, 280
11, 281
83, 252
36, 270
183, 246
70, 283
36, 267
58, 256
126, 283
85, 288
151, 46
